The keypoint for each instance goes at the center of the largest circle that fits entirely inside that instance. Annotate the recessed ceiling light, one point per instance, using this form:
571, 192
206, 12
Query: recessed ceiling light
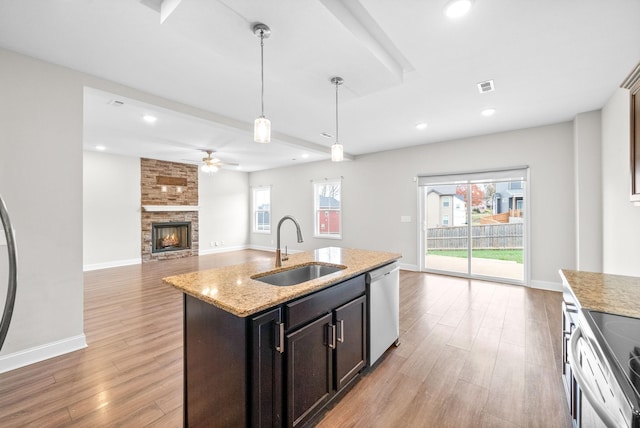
305, 155
239, 167
149, 119
101, 148
488, 112
457, 8
422, 125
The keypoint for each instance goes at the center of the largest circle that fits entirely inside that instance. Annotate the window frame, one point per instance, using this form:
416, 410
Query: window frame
316, 209
254, 210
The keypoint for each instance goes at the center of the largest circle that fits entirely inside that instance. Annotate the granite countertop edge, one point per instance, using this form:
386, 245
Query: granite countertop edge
602, 292
232, 289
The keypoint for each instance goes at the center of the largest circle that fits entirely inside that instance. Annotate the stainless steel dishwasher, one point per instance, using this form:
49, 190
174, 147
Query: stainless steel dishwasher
383, 297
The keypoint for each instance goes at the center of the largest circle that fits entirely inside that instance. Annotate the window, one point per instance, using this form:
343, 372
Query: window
515, 185
262, 209
445, 201
327, 196
445, 220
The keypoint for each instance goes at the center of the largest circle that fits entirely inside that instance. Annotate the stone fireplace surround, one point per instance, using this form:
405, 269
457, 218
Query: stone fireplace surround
174, 186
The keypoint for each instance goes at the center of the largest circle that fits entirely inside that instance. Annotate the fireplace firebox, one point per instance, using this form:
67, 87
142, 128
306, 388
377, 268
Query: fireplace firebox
172, 236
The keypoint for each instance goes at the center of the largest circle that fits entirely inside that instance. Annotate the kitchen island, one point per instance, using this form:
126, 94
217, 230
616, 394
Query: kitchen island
258, 354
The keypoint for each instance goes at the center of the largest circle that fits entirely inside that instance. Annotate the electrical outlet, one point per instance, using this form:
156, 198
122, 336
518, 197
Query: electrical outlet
221, 242
217, 243
211, 244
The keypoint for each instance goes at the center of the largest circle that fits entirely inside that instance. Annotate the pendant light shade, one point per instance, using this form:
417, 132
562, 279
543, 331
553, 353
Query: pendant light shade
262, 125
262, 130
337, 151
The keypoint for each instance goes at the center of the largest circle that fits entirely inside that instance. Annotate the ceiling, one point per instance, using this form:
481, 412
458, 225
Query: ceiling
403, 62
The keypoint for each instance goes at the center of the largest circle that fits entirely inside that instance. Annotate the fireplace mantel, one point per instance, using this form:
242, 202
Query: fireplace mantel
168, 208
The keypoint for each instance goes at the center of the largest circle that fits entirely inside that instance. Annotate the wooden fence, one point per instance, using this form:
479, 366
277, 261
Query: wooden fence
487, 236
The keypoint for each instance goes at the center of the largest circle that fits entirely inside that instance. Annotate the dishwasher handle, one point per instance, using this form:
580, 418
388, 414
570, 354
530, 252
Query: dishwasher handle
381, 272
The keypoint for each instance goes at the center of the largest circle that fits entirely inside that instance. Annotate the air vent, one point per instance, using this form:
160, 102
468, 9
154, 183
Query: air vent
486, 86
116, 103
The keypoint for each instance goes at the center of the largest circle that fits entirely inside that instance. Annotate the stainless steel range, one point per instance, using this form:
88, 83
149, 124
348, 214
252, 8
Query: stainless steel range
604, 353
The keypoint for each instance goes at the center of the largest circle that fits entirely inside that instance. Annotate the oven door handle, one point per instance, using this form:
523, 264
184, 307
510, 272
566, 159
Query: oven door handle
585, 386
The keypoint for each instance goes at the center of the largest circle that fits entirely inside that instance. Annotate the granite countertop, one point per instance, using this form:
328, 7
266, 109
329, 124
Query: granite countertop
602, 292
231, 288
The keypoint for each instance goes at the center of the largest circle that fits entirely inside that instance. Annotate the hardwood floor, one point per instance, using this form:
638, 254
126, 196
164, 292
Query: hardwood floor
472, 353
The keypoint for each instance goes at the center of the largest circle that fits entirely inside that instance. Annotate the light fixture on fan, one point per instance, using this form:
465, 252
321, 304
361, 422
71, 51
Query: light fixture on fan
337, 151
262, 125
210, 164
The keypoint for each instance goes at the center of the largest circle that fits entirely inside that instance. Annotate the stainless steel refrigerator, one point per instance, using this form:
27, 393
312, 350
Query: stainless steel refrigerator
8, 269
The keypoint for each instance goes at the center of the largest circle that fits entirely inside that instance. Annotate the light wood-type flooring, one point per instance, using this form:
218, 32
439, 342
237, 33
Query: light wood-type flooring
472, 354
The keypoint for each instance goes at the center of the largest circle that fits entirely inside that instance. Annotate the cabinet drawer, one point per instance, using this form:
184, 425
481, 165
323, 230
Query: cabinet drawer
310, 307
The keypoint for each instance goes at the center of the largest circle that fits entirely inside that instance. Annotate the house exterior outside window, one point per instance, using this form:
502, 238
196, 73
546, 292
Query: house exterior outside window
261, 204
327, 197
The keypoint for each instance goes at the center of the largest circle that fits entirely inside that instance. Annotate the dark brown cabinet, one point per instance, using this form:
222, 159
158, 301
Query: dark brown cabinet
309, 369
322, 357
276, 368
351, 345
267, 343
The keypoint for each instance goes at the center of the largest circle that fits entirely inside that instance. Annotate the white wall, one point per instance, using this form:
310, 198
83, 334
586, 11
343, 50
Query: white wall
224, 210
379, 188
111, 210
620, 219
588, 190
41, 182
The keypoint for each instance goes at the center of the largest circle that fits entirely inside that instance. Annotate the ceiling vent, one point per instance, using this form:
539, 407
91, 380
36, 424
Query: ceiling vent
486, 86
116, 103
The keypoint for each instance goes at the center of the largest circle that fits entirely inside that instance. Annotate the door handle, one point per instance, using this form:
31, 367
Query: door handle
279, 327
341, 331
332, 333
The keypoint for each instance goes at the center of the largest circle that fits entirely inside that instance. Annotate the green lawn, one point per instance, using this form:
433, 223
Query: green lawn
511, 255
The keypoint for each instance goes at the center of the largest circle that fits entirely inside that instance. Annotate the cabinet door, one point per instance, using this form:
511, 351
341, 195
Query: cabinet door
266, 366
351, 334
309, 368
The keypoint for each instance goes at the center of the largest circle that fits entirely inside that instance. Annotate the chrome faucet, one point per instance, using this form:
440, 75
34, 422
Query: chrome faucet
278, 259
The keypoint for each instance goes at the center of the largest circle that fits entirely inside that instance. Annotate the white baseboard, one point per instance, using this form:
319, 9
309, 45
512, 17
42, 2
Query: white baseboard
261, 248
202, 252
115, 263
546, 285
40, 353
272, 249
409, 267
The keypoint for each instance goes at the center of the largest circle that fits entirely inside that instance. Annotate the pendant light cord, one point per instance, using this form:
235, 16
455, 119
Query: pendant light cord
262, 73
337, 83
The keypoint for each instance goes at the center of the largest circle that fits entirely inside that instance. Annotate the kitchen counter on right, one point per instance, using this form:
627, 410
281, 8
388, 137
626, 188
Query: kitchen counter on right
615, 294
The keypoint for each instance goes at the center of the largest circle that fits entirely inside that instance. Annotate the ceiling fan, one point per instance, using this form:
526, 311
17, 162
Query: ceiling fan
213, 164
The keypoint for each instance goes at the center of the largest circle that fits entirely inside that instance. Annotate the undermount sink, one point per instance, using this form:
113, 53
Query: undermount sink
298, 275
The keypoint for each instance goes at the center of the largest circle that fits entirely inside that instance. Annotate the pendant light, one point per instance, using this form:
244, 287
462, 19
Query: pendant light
337, 152
262, 125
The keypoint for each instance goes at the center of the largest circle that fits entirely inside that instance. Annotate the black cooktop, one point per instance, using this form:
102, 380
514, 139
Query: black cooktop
622, 339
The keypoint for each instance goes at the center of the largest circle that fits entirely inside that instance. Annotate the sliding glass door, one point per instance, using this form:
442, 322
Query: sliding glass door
474, 224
